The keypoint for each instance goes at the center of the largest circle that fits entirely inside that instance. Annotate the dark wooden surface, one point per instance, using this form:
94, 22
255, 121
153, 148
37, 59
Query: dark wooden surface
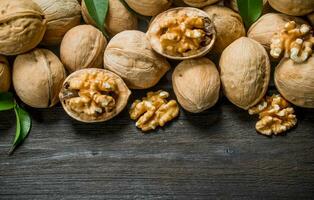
212, 155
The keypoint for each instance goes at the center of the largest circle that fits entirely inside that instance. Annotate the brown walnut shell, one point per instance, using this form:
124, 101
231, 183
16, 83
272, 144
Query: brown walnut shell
295, 81
200, 3
245, 72
293, 7
61, 15
120, 102
118, 18
228, 25
129, 54
22, 26
196, 83
37, 78
154, 31
5, 75
265, 27
234, 5
149, 7
82, 47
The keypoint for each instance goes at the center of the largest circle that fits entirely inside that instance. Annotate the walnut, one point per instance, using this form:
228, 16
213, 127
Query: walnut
275, 114
182, 33
149, 7
296, 41
200, 3
5, 75
154, 110
94, 95
293, 7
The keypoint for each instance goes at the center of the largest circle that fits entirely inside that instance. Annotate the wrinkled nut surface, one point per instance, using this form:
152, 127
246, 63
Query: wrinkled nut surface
93, 95
200, 3
37, 78
294, 41
129, 54
275, 114
22, 26
269, 24
228, 25
149, 7
293, 7
245, 72
118, 18
61, 15
82, 47
295, 82
196, 83
5, 75
154, 110
182, 33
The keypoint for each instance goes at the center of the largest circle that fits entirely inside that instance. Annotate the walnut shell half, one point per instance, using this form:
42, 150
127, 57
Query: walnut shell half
295, 81
94, 95
5, 75
182, 33
245, 72
293, 7
22, 26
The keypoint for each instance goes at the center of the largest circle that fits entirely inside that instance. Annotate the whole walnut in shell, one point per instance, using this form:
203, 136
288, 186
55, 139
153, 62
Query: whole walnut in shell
5, 75
228, 25
22, 26
149, 7
265, 27
93, 95
118, 18
196, 83
234, 5
37, 78
61, 15
245, 72
295, 81
200, 3
293, 7
130, 55
82, 47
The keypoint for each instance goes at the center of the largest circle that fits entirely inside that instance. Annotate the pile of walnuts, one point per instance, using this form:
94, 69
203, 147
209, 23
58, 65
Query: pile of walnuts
93, 75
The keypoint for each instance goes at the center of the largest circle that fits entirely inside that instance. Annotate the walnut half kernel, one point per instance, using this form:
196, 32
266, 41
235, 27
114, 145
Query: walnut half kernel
275, 114
153, 110
93, 95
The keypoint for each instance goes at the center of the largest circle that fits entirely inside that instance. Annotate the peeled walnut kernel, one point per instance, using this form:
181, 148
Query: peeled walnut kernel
295, 41
94, 95
154, 110
275, 114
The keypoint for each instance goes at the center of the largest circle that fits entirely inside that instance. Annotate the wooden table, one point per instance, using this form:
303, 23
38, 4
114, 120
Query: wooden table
214, 154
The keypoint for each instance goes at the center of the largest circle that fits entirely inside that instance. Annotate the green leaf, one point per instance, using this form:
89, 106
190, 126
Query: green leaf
98, 10
6, 101
142, 17
250, 10
23, 126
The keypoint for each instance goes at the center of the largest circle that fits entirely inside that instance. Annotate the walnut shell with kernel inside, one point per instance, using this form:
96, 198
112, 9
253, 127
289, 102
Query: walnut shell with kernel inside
182, 33
5, 75
93, 95
22, 26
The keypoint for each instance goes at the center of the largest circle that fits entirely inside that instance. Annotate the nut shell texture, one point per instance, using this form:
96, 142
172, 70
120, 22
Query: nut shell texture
130, 55
244, 72
196, 83
199, 3
22, 26
61, 15
293, 7
295, 81
82, 47
37, 78
149, 7
5, 75
228, 25
118, 18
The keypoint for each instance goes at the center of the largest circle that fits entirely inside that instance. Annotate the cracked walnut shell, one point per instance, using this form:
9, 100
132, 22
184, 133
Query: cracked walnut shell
22, 26
5, 75
245, 72
154, 110
129, 54
182, 33
38, 77
275, 114
93, 95
149, 7
196, 83
293, 7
